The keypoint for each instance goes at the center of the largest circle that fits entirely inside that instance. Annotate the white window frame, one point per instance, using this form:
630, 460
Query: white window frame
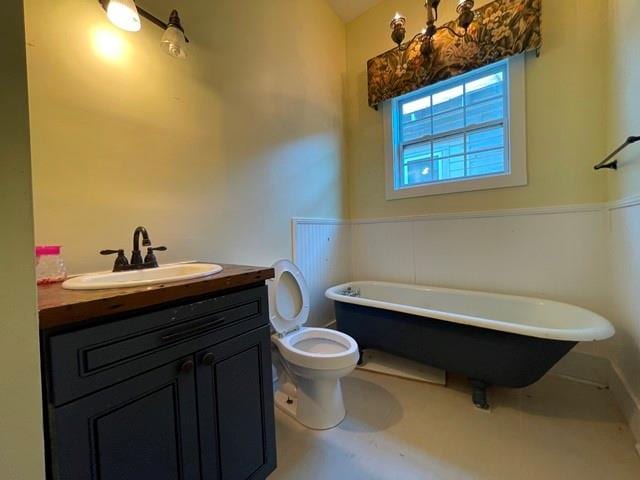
515, 140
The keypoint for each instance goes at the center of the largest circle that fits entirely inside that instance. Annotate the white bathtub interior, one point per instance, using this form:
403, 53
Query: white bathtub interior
520, 315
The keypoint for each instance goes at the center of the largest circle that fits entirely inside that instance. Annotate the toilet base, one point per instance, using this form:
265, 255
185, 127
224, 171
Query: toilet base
316, 404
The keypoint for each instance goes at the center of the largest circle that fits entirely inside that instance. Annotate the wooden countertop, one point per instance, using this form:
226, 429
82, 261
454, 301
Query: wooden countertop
59, 307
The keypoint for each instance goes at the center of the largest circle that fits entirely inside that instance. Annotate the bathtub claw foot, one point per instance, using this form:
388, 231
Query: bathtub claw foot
480, 394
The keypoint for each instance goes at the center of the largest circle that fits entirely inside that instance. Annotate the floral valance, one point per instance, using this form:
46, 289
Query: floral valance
501, 29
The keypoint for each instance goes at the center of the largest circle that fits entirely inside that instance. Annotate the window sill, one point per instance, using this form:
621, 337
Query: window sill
515, 179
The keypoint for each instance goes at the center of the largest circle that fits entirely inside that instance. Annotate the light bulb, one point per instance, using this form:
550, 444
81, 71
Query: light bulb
124, 14
398, 19
398, 30
174, 43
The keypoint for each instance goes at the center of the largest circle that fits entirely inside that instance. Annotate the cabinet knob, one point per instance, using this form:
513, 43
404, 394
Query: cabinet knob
187, 366
208, 359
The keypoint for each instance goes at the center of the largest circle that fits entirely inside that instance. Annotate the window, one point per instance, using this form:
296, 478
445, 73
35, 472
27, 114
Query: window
463, 134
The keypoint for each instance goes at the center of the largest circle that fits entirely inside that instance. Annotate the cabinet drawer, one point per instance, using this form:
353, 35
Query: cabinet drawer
87, 360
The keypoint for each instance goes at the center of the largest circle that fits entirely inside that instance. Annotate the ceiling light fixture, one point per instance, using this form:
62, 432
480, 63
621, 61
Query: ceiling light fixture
173, 40
125, 14
465, 19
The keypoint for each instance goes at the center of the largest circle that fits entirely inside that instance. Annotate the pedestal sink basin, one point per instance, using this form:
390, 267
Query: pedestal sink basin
137, 278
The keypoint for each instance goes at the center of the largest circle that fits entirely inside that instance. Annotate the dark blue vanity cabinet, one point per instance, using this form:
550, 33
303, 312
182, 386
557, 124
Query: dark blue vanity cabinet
182, 392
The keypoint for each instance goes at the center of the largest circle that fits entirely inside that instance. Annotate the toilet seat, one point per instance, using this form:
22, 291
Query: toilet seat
341, 351
281, 290
313, 348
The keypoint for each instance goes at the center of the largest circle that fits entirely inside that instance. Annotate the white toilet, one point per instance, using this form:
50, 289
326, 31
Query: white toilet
315, 359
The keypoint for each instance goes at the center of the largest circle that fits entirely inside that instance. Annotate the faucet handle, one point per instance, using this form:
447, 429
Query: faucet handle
111, 252
121, 262
151, 259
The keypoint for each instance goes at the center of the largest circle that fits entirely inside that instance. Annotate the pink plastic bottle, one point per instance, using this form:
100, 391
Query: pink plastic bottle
49, 265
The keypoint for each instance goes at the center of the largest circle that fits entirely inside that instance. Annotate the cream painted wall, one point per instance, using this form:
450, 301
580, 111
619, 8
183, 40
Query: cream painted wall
21, 444
623, 94
565, 114
214, 154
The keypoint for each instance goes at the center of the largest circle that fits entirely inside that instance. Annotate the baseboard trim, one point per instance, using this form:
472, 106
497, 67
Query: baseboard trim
332, 325
628, 403
602, 372
584, 368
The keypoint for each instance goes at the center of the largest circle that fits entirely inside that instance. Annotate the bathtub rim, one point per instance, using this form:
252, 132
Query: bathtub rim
602, 329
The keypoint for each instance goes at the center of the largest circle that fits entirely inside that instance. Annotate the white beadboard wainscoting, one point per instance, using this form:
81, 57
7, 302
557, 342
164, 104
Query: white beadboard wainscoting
557, 254
322, 250
586, 255
624, 248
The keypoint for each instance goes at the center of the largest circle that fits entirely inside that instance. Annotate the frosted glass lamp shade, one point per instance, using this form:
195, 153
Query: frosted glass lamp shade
124, 14
174, 43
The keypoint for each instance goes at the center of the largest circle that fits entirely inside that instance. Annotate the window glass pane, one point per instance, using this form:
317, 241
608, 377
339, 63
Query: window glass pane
416, 173
415, 116
484, 88
417, 129
416, 119
450, 168
461, 131
415, 106
486, 163
417, 153
489, 111
485, 139
448, 147
449, 121
449, 99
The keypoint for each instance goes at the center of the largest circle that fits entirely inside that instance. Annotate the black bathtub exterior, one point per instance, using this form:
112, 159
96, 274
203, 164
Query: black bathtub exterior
486, 357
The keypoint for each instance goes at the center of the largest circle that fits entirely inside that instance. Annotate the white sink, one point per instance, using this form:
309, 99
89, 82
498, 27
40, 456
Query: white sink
137, 278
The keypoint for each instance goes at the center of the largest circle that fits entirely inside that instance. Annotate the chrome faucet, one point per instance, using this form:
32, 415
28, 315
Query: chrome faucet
351, 292
137, 263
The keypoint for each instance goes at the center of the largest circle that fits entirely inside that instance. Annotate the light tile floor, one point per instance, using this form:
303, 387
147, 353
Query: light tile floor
401, 430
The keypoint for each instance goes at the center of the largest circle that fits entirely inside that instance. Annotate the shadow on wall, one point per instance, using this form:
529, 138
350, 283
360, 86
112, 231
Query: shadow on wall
280, 94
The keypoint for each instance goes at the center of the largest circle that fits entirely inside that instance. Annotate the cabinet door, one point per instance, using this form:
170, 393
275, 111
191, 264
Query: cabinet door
235, 406
143, 428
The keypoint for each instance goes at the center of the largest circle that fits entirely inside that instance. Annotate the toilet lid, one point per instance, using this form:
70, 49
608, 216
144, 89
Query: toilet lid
288, 298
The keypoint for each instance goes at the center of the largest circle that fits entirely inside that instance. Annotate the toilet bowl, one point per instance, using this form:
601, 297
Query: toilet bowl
314, 358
